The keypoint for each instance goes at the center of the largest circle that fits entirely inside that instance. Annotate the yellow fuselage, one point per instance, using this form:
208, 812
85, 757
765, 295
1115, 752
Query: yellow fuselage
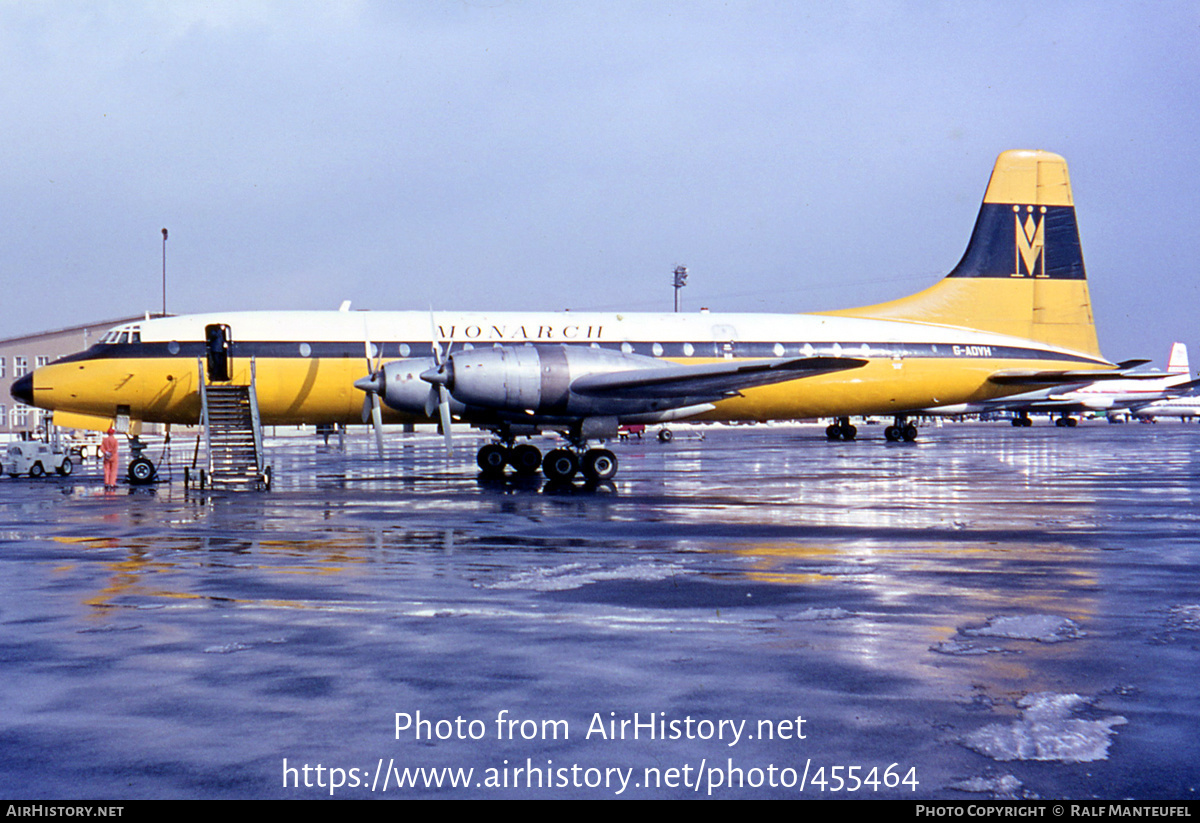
933, 366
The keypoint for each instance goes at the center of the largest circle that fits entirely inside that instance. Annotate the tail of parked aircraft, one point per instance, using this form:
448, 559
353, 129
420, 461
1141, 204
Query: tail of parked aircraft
1022, 273
1178, 362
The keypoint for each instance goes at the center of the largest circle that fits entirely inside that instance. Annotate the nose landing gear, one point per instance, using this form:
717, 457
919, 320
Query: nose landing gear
142, 470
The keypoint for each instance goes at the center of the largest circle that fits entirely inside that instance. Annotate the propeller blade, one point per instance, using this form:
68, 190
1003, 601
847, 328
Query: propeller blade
377, 422
444, 414
368, 346
373, 386
437, 378
435, 342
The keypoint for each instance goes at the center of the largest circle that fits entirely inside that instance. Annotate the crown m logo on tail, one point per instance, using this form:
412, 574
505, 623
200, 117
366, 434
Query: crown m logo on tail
1031, 243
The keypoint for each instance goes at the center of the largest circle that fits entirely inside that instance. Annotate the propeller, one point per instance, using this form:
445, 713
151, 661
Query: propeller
438, 378
373, 385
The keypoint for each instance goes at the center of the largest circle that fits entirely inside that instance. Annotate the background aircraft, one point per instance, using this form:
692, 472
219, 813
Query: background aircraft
1109, 396
1185, 407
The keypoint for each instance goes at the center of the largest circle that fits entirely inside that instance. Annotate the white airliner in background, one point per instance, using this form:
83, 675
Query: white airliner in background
1185, 408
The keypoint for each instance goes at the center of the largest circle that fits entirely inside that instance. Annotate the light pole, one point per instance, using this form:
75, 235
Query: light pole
164, 311
680, 282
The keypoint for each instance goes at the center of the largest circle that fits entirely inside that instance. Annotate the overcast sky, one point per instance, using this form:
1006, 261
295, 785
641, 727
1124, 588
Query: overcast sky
478, 154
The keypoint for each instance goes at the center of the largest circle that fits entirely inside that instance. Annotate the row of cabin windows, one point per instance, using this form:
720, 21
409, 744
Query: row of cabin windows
657, 349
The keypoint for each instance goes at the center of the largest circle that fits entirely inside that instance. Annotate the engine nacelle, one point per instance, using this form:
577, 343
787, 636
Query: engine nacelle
405, 390
538, 379
507, 378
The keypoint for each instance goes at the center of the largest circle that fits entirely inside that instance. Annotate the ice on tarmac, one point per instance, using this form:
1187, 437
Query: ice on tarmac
578, 575
1184, 617
960, 648
1000, 787
1047, 731
820, 614
1044, 628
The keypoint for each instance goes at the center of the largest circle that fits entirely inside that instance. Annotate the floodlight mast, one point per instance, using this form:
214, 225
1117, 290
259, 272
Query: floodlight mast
681, 274
164, 311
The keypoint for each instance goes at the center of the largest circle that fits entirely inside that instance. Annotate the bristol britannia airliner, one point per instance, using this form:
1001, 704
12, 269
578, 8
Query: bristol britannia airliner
1013, 314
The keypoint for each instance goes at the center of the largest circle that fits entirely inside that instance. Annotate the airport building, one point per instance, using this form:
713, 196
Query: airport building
21, 355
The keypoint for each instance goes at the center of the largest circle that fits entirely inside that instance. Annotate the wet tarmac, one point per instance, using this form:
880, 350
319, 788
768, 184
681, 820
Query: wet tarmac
988, 613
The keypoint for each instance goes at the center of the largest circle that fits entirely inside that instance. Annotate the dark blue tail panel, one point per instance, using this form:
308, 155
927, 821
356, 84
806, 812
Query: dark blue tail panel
1023, 241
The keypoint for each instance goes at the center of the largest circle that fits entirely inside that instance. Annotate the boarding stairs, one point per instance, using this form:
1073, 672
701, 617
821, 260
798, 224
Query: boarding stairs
232, 434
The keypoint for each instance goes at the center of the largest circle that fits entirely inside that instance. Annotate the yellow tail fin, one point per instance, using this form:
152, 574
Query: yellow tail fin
1022, 273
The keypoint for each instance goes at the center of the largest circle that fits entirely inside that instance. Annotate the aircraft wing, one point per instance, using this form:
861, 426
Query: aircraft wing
709, 379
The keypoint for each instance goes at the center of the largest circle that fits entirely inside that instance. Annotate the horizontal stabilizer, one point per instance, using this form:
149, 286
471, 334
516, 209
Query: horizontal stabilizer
1185, 388
710, 379
1030, 377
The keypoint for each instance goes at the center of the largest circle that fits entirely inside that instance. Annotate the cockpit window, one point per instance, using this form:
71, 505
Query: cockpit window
125, 334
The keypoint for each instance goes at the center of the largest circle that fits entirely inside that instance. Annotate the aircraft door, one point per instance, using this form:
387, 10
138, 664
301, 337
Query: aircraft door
724, 336
218, 342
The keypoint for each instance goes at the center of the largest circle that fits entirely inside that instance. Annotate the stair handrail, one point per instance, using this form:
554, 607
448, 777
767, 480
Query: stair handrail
255, 422
204, 421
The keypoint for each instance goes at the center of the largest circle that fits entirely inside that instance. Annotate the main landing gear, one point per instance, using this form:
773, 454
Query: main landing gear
559, 465
1066, 420
901, 429
841, 429
1021, 420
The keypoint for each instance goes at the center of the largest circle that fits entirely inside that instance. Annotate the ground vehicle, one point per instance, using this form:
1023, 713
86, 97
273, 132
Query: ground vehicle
85, 445
35, 459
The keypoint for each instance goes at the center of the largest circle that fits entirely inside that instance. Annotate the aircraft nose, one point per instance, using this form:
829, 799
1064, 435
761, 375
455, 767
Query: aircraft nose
22, 389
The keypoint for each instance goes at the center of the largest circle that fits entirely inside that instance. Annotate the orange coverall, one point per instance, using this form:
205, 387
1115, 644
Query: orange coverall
109, 448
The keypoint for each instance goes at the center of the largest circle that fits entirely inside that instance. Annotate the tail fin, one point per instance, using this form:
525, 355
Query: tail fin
1178, 363
1022, 273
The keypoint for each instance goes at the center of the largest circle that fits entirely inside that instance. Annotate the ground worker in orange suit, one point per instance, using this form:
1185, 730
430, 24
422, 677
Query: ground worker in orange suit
109, 449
